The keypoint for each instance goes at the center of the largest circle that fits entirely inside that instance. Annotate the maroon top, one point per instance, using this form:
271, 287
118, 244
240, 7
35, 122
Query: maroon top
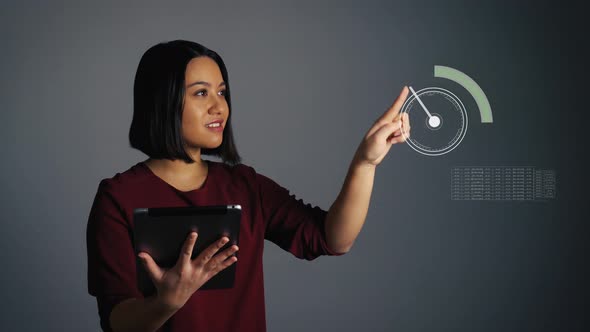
268, 212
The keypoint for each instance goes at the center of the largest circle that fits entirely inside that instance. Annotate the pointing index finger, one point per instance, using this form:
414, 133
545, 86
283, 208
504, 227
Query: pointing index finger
393, 111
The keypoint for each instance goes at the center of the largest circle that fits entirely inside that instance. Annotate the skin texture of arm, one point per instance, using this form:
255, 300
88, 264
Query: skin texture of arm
146, 315
348, 212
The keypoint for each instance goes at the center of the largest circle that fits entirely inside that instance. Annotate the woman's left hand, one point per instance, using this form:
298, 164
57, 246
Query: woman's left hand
385, 132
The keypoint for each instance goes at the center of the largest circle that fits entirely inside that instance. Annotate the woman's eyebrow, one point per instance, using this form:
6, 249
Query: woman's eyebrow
204, 83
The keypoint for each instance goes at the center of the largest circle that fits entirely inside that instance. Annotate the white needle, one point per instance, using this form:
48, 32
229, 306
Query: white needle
434, 121
421, 103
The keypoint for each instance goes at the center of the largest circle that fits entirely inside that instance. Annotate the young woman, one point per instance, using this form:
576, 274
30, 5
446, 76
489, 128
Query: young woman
182, 110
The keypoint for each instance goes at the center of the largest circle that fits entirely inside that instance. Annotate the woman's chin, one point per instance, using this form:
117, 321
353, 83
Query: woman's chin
213, 145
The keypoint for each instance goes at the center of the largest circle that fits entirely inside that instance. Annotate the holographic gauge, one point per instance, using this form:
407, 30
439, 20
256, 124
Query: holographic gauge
438, 120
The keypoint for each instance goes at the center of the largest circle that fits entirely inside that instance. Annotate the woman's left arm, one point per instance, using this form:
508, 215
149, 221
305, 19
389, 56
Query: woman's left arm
348, 212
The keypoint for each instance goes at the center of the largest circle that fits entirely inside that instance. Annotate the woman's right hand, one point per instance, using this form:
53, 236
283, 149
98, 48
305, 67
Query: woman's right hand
176, 285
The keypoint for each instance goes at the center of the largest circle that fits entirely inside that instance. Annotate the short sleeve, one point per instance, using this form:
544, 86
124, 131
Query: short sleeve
291, 224
111, 257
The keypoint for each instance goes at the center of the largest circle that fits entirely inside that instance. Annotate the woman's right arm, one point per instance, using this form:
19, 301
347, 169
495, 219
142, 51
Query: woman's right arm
112, 269
174, 286
143, 314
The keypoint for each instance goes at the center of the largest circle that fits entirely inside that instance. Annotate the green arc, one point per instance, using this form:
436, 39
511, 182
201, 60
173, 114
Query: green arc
485, 110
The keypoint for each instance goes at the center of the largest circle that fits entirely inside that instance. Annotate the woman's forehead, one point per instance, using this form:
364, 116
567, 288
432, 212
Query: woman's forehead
203, 69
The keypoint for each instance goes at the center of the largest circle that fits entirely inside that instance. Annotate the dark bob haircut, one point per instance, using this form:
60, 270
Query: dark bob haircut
158, 100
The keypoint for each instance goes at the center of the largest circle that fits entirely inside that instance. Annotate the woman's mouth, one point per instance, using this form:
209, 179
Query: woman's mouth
216, 127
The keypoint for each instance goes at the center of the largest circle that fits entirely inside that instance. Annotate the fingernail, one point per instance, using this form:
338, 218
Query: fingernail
224, 240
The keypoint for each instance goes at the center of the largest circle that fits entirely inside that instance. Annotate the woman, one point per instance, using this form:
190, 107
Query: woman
182, 110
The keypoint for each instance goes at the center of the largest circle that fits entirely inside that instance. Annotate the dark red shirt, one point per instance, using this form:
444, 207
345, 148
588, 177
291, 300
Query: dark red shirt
269, 212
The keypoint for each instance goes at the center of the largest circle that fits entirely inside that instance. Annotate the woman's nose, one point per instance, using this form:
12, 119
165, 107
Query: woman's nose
218, 108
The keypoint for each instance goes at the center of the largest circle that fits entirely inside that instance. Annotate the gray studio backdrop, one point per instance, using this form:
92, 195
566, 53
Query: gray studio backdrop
308, 80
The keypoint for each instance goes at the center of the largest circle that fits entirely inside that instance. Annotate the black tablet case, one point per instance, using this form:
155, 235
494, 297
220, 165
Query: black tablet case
161, 232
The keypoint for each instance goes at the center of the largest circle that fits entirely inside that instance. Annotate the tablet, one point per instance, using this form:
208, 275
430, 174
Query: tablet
161, 232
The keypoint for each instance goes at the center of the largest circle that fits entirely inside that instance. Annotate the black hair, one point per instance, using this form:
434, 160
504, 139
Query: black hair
158, 100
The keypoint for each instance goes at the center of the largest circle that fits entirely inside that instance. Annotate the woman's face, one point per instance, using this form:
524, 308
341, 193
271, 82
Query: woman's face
204, 102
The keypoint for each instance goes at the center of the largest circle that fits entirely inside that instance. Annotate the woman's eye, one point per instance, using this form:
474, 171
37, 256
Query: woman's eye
204, 92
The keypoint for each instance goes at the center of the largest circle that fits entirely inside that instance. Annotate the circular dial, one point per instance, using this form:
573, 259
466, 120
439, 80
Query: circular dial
438, 119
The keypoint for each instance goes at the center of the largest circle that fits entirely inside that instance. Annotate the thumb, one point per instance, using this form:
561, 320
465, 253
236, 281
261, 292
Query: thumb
153, 270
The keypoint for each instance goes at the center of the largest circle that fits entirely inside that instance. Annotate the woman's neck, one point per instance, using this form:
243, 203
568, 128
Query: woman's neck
177, 169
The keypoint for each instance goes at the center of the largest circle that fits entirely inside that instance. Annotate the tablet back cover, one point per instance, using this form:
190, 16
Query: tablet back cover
161, 232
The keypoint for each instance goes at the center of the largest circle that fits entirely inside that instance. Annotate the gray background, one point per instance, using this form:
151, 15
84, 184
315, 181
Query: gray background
308, 80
